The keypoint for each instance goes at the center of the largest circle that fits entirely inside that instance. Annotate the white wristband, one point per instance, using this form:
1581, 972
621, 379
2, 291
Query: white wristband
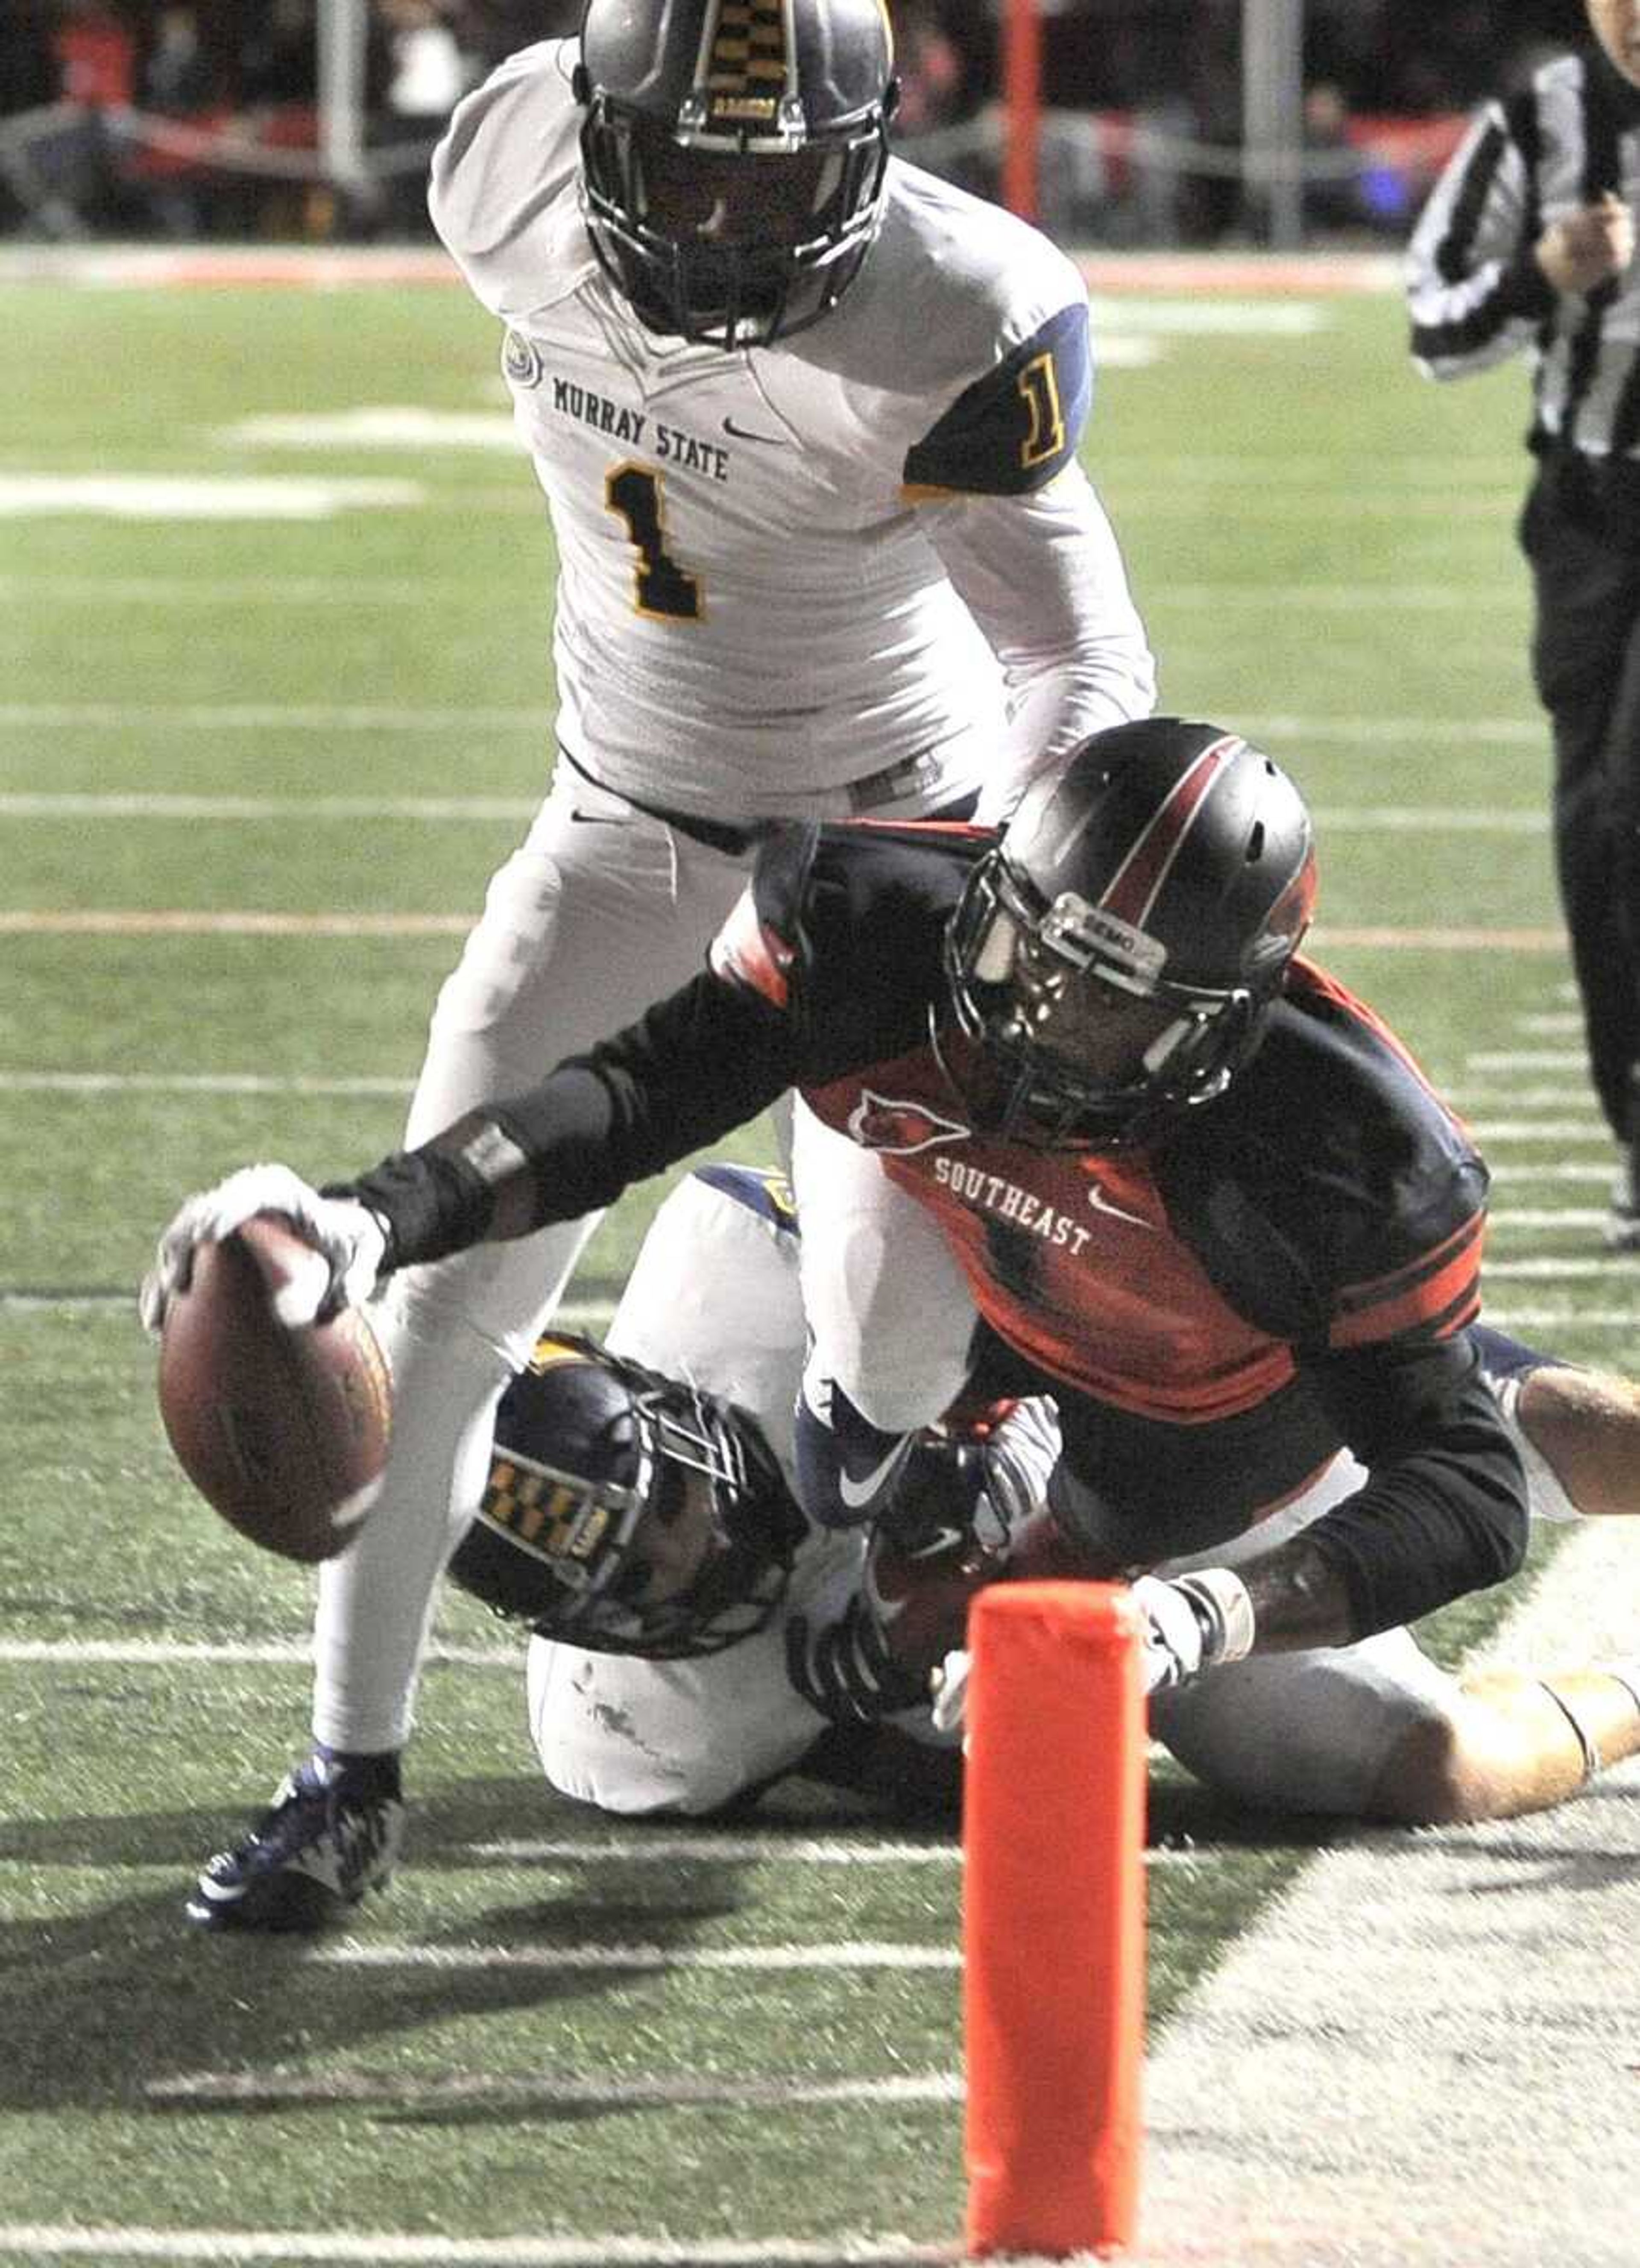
1221, 1599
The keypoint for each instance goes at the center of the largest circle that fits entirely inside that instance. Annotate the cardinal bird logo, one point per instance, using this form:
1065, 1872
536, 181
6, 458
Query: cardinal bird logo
879, 1122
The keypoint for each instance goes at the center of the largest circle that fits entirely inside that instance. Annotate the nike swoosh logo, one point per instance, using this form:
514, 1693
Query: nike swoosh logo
941, 1540
1101, 1202
857, 1494
768, 440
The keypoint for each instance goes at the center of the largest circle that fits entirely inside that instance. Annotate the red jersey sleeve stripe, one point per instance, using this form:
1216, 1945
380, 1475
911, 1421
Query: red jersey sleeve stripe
1435, 1296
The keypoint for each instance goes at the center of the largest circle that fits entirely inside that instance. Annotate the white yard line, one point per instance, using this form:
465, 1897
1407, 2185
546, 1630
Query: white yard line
263, 717
193, 1083
197, 1082
1573, 1217
673, 1848
774, 1959
1383, 595
241, 591
1566, 1171
143, 1654
1388, 819
1424, 2055
553, 2090
203, 923
459, 810
574, 1315
1513, 1059
30, 2243
1590, 1125
1415, 734
1463, 939
1574, 1133
46, 921
1619, 1267
594, 1315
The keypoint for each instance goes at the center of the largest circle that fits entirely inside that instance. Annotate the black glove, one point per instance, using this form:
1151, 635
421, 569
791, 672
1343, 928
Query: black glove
846, 1669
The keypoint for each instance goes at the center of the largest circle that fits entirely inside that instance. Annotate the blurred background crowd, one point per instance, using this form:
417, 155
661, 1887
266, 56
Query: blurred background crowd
188, 118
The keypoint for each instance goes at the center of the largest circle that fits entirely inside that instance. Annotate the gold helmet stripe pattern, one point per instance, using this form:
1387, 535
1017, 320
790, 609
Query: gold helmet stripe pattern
557, 1522
750, 48
746, 73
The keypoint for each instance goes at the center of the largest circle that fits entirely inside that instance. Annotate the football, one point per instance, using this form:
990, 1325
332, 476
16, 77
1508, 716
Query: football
283, 1430
928, 1592
927, 1595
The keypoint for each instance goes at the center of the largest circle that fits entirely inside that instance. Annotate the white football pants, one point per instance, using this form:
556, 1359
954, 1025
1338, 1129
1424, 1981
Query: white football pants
600, 912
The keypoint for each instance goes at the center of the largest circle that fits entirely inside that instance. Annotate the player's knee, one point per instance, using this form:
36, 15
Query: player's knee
886, 1399
1433, 1777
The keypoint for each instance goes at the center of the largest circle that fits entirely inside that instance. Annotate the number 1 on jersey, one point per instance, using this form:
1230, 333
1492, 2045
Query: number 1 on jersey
1039, 387
663, 587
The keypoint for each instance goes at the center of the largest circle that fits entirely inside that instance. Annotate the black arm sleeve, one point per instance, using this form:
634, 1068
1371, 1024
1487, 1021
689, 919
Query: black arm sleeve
699, 1063
1443, 1508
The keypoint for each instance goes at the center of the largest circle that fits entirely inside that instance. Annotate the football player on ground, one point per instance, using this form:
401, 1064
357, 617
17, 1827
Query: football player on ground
675, 1585
807, 422
1078, 1111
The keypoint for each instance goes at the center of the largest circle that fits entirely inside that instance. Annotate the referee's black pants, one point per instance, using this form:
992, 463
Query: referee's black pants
1581, 534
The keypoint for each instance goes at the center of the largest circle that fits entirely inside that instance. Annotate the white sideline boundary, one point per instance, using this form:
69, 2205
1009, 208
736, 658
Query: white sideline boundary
1427, 2054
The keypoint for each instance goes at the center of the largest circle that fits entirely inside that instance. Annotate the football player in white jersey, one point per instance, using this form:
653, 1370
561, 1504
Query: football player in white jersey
806, 423
679, 1698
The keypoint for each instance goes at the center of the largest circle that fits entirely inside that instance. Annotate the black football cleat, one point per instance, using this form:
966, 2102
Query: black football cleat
334, 1831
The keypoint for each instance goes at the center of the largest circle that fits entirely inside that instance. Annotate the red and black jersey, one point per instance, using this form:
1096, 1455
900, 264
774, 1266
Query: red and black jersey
1330, 1202
1289, 1268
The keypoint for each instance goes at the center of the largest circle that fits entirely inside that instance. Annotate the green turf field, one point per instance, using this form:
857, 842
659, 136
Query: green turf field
345, 715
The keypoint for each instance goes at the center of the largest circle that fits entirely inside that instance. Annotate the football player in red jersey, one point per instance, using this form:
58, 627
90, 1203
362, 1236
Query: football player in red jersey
673, 1586
1080, 1122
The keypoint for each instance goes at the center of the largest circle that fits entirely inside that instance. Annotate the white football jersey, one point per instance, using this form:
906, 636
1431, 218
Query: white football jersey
753, 617
712, 1298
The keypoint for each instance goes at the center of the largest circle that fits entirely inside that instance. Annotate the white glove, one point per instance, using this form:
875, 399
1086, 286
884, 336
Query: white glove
349, 1244
1191, 1622
951, 1690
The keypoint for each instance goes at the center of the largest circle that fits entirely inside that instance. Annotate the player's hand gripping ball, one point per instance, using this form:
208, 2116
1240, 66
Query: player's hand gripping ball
283, 1429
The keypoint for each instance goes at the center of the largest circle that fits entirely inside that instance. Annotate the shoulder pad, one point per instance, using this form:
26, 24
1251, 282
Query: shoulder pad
1012, 430
1331, 1195
842, 931
502, 193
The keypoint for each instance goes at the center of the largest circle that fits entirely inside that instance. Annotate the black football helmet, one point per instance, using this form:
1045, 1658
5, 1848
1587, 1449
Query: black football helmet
733, 156
1112, 961
626, 1513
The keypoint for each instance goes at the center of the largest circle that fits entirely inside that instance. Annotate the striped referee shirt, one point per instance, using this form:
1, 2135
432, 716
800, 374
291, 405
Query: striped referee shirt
1474, 290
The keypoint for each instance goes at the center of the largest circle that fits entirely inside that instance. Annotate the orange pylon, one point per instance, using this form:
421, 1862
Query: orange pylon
1054, 1918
